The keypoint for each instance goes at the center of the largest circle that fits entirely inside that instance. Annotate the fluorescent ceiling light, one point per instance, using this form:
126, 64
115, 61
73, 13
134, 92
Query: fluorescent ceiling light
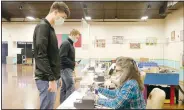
144, 18
88, 18
30, 17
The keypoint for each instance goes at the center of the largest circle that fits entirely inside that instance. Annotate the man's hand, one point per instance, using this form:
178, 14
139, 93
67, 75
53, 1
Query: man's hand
52, 86
60, 82
76, 63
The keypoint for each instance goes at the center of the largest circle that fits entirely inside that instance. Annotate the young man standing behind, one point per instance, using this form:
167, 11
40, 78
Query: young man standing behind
46, 54
67, 56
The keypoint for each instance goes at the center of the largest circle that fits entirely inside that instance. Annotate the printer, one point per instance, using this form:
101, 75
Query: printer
87, 101
99, 77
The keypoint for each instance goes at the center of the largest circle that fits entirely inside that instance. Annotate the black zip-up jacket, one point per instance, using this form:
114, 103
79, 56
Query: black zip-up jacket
67, 54
46, 52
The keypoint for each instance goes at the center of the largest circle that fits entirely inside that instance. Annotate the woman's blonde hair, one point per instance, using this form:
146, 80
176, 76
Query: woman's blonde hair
132, 70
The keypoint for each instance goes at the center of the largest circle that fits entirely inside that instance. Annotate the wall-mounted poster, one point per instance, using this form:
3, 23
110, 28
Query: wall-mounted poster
181, 35
63, 37
117, 39
151, 41
173, 36
135, 45
100, 43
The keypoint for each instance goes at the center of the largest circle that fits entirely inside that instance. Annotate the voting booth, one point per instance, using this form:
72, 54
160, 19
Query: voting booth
169, 79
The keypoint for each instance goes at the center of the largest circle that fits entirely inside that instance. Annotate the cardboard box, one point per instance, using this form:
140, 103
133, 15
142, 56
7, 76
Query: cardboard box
144, 59
154, 70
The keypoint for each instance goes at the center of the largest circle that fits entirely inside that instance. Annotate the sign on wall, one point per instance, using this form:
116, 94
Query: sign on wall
135, 45
63, 37
100, 43
151, 41
117, 39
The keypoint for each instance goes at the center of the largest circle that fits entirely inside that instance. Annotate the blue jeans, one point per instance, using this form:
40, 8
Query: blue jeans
47, 98
67, 87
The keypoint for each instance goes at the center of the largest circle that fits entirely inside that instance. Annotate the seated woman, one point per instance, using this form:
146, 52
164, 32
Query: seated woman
129, 93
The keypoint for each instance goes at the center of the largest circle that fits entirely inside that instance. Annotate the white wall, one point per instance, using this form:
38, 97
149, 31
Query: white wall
16, 32
174, 22
130, 30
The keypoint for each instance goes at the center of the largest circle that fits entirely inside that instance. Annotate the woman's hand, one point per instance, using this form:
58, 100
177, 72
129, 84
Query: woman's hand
96, 98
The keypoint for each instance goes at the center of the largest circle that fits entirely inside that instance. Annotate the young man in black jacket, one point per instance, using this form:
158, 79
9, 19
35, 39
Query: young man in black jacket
46, 54
67, 57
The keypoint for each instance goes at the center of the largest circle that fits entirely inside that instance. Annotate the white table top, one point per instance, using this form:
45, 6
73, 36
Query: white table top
78, 94
69, 102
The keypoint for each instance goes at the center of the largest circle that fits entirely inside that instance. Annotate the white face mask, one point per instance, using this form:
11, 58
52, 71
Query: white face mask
59, 21
73, 39
122, 75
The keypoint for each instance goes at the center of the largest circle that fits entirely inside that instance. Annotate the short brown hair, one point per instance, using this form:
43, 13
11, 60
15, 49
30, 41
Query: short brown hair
61, 7
74, 32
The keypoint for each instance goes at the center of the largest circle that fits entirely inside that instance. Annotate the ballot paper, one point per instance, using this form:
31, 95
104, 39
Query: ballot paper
102, 96
101, 107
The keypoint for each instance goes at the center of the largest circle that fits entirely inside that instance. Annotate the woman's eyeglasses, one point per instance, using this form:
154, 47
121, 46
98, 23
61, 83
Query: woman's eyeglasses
118, 70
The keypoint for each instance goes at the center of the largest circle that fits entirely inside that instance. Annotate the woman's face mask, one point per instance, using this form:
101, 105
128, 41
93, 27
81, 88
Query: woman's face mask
123, 73
118, 69
59, 21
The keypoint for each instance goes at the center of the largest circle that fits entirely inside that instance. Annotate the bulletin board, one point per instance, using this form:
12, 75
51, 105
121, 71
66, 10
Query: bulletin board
117, 39
63, 37
135, 45
100, 43
151, 41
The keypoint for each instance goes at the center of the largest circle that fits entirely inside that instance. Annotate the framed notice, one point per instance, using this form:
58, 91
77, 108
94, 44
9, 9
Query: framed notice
117, 39
173, 36
63, 37
135, 45
100, 43
151, 41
